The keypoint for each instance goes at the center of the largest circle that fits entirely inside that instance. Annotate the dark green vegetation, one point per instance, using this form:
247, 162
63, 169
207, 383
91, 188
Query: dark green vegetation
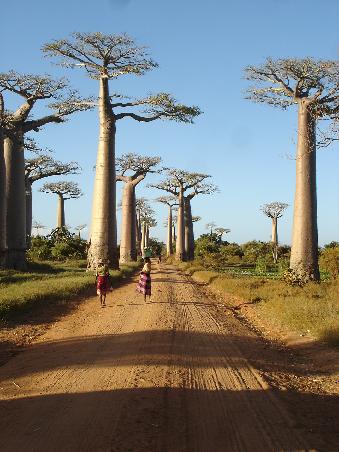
60, 244
47, 282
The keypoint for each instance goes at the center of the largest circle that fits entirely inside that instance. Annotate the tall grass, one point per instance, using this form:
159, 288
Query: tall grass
21, 291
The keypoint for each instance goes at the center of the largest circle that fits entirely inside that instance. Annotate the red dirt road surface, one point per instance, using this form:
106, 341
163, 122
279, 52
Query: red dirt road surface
181, 373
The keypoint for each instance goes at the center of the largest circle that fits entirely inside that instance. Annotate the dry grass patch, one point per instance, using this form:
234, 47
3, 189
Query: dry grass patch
21, 290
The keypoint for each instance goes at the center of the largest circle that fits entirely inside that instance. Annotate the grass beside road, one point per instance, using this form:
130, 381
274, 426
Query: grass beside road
312, 310
49, 282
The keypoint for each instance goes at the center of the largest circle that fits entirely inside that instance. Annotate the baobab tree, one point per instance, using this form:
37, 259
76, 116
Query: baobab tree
221, 231
141, 204
2, 188
177, 183
39, 168
312, 85
79, 228
274, 210
37, 225
210, 226
170, 201
65, 191
106, 57
63, 102
140, 166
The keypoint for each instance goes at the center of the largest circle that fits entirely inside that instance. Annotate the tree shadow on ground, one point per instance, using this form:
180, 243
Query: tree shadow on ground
155, 347
162, 419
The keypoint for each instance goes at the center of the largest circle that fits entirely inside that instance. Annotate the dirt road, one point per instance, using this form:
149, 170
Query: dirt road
171, 375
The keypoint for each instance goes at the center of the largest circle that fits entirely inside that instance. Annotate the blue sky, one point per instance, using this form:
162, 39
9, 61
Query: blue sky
202, 49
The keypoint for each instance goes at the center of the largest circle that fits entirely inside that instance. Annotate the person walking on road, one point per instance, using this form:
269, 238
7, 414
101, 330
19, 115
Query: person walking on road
102, 282
144, 284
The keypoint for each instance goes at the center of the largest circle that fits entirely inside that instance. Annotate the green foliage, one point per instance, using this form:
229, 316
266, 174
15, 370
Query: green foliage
329, 260
207, 243
60, 244
156, 246
261, 265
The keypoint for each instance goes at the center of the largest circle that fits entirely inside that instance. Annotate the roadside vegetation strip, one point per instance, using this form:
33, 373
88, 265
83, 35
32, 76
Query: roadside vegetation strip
21, 291
312, 310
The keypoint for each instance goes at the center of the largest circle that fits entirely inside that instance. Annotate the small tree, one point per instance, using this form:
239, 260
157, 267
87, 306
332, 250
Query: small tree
221, 231
107, 57
139, 166
80, 228
41, 167
37, 225
312, 85
274, 210
210, 226
65, 191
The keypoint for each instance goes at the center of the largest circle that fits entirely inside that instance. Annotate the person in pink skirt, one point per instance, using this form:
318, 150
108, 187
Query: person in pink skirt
144, 284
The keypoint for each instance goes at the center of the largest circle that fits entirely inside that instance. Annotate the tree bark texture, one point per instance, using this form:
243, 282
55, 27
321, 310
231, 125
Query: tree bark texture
15, 201
103, 237
147, 236
2, 202
304, 250
61, 211
189, 235
143, 237
128, 250
180, 243
29, 211
274, 239
169, 245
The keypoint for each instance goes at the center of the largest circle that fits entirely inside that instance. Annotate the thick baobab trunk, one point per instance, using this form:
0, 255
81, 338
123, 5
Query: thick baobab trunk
61, 212
304, 251
147, 236
103, 235
138, 238
15, 202
274, 239
2, 201
143, 237
180, 243
29, 212
169, 245
189, 237
174, 235
128, 251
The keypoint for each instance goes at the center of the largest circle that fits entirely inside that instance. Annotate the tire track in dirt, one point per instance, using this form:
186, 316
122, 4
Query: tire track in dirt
160, 376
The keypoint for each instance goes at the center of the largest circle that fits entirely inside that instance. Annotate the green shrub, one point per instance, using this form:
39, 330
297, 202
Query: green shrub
329, 261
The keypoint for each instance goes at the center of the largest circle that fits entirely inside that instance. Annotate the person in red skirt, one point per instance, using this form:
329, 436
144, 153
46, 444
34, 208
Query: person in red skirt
102, 282
144, 284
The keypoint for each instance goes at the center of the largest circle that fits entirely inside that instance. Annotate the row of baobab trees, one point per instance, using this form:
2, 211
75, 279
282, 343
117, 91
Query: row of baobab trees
311, 85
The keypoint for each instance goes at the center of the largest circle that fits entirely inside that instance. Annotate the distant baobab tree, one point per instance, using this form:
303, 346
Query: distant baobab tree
274, 210
65, 191
33, 89
312, 85
170, 201
41, 167
221, 231
132, 169
79, 228
105, 57
210, 226
37, 225
177, 183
